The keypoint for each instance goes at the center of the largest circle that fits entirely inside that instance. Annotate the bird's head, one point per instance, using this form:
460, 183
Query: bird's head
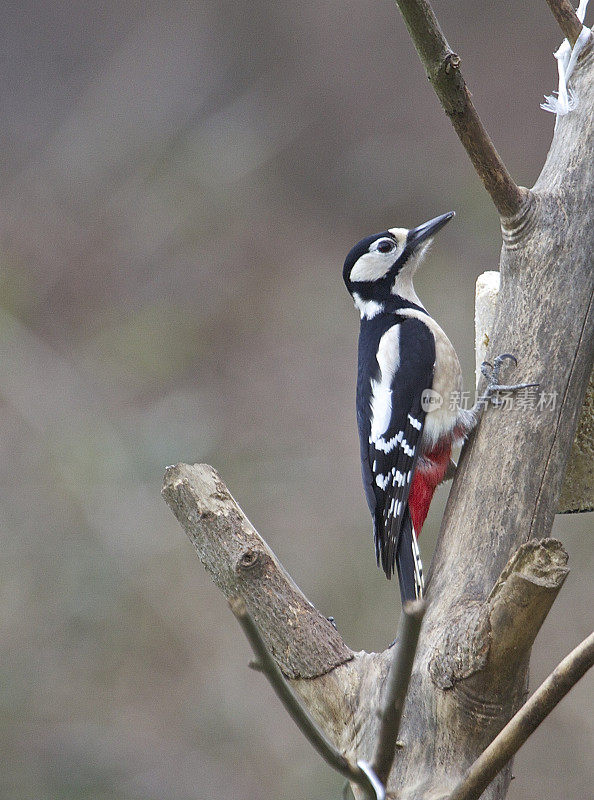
383, 264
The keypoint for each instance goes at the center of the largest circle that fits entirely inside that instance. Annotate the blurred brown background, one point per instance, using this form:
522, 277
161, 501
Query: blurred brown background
180, 185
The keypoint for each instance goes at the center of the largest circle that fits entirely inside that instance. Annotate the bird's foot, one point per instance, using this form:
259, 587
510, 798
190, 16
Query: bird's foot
494, 387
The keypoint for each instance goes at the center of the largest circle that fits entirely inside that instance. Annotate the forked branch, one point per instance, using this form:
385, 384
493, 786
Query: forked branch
443, 69
334, 695
359, 773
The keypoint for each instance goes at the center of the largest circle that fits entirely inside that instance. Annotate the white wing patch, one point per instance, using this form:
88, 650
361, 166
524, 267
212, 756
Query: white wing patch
388, 358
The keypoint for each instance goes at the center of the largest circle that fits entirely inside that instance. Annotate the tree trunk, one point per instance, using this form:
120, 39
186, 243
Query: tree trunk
495, 573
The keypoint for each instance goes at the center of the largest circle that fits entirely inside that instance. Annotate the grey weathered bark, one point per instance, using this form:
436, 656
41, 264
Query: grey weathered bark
577, 493
464, 684
495, 573
524, 723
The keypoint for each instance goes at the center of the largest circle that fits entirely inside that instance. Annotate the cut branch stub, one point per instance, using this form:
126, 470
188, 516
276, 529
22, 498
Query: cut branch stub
302, 641
501, 631
521, 600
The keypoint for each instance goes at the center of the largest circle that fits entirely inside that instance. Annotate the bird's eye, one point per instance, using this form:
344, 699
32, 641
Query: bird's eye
385, 246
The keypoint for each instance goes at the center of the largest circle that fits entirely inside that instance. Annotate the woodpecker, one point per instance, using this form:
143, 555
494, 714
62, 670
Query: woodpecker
409, 386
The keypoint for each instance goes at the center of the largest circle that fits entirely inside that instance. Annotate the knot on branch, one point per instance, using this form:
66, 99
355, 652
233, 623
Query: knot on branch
452, 61
450, 85
252, 562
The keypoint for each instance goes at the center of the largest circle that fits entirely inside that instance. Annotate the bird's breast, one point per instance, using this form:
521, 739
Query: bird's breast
442, 412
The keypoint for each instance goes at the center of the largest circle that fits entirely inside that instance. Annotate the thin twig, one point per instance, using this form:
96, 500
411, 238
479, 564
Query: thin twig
526, 721
306, 725
567, 19
443, 70
397, 687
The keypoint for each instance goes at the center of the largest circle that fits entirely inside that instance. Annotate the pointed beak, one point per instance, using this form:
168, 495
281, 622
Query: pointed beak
417, 236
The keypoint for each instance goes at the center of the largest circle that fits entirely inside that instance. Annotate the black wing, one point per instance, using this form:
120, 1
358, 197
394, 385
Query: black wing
390, 443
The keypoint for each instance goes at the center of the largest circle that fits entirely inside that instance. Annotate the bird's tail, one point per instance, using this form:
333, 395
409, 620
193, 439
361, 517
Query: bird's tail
400, 552
408, 562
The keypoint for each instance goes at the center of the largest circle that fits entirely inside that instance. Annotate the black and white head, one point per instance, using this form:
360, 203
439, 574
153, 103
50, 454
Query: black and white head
382, 265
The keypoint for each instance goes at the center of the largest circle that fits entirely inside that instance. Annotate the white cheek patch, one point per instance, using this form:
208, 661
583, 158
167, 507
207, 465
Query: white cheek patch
372, 266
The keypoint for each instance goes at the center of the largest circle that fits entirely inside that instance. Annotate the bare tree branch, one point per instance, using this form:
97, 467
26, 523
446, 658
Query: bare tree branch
479, 654
296, 711
526, 721
398, 679
567, 19
443, 69
301, 639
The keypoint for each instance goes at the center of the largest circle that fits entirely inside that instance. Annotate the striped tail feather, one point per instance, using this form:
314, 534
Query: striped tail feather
408, 562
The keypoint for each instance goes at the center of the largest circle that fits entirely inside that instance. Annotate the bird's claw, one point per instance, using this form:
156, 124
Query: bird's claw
495, 368
491, 373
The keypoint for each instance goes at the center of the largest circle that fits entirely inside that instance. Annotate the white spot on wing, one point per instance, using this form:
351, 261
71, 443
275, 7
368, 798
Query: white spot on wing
409, 451
382, 480
415, 423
